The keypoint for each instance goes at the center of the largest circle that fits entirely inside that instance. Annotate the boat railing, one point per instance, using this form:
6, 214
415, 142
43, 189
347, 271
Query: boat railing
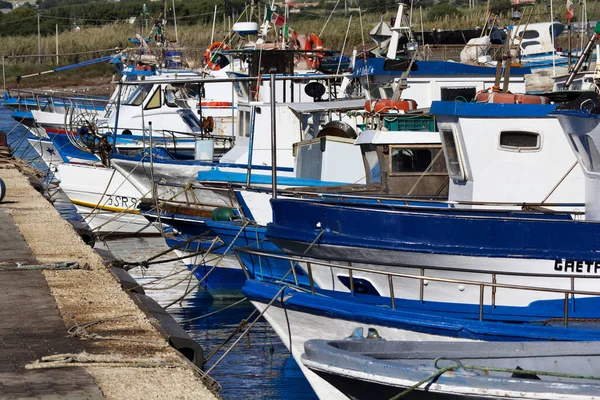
424, 202
311, 263
42, 98
174, 136
451, 52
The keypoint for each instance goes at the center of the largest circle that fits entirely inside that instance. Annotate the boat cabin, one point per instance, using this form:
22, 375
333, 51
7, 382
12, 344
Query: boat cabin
511, 153
401, 157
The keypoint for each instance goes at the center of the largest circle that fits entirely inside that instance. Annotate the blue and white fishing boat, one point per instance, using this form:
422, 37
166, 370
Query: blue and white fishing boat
453, 271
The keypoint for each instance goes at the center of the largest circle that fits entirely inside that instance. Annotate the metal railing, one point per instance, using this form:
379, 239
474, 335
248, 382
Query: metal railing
311, 262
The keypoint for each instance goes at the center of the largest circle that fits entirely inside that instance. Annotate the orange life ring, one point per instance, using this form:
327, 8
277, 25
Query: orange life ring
386, 105
208, 54
510, 98
314, 43
216, 104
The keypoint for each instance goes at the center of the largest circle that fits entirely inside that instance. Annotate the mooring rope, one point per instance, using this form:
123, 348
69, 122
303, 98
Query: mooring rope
216, 311
457, 364
247, 329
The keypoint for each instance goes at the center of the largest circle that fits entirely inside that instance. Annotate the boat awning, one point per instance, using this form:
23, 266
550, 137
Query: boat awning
342, 105
397, 137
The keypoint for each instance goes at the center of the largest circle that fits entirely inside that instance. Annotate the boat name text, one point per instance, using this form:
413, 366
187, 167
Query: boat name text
122, 201
577, 266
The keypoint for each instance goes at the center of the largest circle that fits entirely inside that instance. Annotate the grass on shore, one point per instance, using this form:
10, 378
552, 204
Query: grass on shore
92, 42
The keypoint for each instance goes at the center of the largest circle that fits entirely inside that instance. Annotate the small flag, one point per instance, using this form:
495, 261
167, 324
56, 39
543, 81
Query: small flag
570, 11
275, 17
280, 20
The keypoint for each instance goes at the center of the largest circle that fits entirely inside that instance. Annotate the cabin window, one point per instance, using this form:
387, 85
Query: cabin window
244, 123
414, 159
520, 140
588, 152
372, 166
138, 95
464, 94
453, 162
190, 119
155, 100
532, 43
529, 34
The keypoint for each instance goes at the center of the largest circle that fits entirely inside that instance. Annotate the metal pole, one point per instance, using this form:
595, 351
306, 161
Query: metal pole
117, 114
212, 35
175, 23
273, 137
56, 44
343, 47
39, 40
3, 74
251, 144
553, 43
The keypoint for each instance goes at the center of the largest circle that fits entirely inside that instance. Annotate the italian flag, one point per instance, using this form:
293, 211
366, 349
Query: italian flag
275, 18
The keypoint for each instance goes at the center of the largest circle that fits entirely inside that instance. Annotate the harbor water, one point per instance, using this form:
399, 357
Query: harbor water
259, 367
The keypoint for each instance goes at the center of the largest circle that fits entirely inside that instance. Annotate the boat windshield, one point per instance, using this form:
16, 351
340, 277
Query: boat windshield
139, 95
372, 167
190, 119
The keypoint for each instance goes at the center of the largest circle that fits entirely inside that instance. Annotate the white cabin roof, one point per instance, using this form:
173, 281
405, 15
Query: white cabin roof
397, 137
338, 105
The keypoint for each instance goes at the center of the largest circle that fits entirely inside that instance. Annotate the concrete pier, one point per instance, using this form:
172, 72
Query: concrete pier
97, 342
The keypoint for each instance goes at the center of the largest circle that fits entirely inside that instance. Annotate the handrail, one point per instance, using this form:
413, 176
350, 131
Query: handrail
311, 261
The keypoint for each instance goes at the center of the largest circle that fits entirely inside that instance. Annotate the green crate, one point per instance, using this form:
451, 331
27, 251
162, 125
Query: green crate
402, 123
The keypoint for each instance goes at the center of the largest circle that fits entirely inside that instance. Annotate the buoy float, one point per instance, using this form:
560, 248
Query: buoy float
222, 214
208, 54
510, 98
387, 105
314, 42
216, 104
2, 189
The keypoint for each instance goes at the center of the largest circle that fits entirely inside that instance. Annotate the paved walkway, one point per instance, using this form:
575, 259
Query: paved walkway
13, 248
31, 327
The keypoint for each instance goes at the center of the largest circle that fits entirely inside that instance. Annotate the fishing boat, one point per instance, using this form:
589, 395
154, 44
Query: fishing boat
418, 294
366, 368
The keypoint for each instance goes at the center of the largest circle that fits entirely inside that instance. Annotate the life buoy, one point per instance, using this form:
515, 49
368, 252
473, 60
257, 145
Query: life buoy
483, 95
216, 104
510, 98
386, 105
314, 43
208, 54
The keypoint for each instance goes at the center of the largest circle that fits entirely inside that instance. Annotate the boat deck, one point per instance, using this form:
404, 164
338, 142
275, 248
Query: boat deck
40, 303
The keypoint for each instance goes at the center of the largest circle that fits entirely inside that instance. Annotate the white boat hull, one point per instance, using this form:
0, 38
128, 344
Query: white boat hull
105, 199
304, 326
507, 271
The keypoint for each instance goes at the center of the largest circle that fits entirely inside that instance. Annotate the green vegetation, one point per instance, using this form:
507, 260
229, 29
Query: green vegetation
194, 20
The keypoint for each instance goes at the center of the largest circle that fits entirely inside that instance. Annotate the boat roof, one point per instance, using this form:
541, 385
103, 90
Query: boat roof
338, 105
491, 110
397, 137
377, 66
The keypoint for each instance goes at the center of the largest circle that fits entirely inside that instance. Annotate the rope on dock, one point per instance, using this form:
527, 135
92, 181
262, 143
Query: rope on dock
80, 331
70, 360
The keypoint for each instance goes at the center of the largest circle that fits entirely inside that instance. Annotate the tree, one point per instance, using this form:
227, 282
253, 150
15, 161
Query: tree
441, 10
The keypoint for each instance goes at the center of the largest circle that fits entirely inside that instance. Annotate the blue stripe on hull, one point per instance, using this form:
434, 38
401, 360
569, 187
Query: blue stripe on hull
460, 323
449, 231
254, 237
220, 282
